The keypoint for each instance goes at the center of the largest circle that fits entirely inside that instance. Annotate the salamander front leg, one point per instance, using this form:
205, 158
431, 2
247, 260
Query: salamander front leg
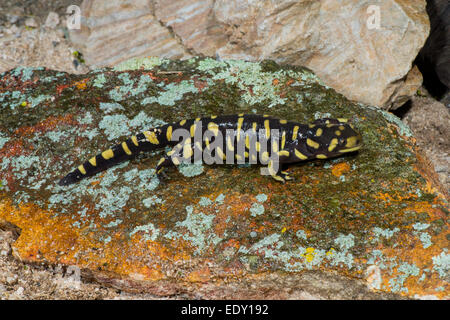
279, 175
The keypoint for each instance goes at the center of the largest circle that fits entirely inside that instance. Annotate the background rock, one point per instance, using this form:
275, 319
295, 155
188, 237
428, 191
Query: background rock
330, 37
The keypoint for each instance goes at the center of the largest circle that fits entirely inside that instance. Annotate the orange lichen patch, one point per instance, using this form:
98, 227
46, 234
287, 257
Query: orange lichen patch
46, 125
340, 168
200, 84
275, 82
200, 275
12, 148
82, 84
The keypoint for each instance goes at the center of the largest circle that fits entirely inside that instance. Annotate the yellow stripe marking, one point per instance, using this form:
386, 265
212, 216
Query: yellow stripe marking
275, 146
160, 162
266, 125
213, 117
175, 161
108, 154
295, 132
182, 122
151, 137
93, 161
319, 132
300, 155
197, 119
312, 143
169, 133
135, 141
207, 142
247, 142
82, 170
283, 139
265, 156
238, 157
265, 115
350, 149
321, 156
258, 146
311, 125
198, 145
240, 115
126, 149
254, 126
284, 153
342, 120
283, 121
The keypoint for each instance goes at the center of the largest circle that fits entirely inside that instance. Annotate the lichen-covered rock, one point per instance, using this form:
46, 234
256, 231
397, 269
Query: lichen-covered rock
377, 216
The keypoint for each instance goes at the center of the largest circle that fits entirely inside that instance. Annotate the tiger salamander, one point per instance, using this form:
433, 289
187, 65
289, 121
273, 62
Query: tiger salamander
244, 138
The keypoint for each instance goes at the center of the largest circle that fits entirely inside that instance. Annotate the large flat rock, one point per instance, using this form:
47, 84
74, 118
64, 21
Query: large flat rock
214, 231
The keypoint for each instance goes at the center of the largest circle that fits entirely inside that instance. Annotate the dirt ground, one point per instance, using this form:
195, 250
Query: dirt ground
25, 40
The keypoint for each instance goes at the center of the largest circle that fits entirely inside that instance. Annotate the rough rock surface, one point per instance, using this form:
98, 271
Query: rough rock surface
339, 40
377, 216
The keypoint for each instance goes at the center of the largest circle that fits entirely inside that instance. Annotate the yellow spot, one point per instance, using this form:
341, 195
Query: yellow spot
337, 132
351, 142
278, 178
171, 152
321, 156
283, 139
284, 153
311, 125
319, 132
240, 115
93, 161
245, 154
254, 126
265, 156
265, 115
300, 155
342, 120
135, 141
151, 137
182, 122
169, 133
238, 157
198, 145
160, 162
295, 133
213, 117
24, 104
271, 170
333, 144
266, 125
197, 119
258, 146
239, 127
253, 157
329, 125
283, 121
247, 142
82, 170
342, 128
214, 127
312, 143
108, 154
283, 230
175, 161
126, 149
207, 142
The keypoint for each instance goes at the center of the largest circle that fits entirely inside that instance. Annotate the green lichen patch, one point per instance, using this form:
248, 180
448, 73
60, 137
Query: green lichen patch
373, 209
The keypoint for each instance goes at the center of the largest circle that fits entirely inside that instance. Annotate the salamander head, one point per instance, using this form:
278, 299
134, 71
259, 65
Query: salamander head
335, 139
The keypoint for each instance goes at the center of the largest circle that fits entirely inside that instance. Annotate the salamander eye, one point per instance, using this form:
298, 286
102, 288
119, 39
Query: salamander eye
342, 141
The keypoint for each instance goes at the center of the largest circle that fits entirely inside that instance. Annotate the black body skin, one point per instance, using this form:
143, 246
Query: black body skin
294, 142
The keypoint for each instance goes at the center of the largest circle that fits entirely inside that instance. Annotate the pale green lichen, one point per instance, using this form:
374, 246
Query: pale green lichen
441, 264
107, 107
151, 233
261, 198
386, 233
406, 271
99, 81
153, 200
256, 209
172, 93
204, 202
3, 140
191, 169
